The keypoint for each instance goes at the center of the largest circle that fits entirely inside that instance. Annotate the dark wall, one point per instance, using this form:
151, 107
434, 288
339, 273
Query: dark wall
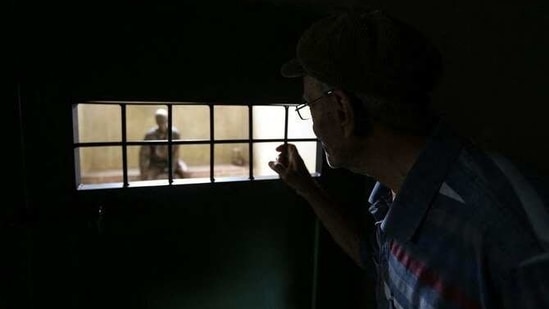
222, 246
226, 246
179, 51
194, 246
494, 52
241, 245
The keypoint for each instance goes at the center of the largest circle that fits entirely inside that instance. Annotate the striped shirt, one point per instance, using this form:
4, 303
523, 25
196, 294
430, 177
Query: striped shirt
466, 230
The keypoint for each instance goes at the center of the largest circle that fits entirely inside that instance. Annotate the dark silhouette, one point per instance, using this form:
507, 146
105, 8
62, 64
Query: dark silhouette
456, 226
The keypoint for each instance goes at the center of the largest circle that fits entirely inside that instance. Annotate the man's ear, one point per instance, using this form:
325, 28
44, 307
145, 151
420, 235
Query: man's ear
345, 112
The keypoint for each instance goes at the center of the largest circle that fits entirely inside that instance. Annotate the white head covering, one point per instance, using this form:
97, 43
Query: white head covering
161, 112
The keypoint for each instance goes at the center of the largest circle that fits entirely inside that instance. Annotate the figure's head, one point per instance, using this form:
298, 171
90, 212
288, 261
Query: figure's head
382, 68
161, 117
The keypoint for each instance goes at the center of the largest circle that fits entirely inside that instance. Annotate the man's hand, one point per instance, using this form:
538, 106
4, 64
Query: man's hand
344, 228
292, 170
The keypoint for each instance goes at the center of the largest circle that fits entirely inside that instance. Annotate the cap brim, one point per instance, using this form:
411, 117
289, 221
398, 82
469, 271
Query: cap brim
292, 69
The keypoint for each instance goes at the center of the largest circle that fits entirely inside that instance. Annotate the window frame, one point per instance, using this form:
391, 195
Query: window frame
211, 141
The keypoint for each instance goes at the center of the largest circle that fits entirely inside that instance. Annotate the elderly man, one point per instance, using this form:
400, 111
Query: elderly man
456, 227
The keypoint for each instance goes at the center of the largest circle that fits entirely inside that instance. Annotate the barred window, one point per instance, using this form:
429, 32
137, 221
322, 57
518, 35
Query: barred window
119, 144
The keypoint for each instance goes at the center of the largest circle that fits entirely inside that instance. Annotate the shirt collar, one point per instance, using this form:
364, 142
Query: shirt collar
380, 199
422, 184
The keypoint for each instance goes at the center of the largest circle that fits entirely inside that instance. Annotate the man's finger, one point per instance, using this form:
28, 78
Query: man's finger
287, 147
276, 166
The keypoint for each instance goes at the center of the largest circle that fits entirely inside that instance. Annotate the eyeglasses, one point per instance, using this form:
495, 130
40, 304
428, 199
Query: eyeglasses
303, 110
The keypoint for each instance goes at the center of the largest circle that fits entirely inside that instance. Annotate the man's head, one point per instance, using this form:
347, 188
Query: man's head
372, 56
379, 69
366, 51
161, 117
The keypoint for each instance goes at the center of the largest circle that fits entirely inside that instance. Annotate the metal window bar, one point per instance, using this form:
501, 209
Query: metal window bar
76, 140
212, 154
170, 146
125, 180
124, 143
250, 143
286, 124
